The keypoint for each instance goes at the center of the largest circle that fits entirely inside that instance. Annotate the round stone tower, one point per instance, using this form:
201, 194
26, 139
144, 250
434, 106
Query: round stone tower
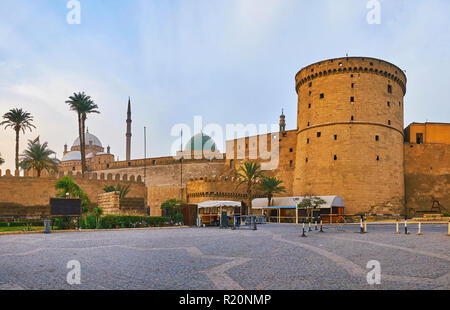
350, 132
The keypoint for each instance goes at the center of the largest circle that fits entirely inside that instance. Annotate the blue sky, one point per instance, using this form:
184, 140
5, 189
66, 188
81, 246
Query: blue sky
230, 61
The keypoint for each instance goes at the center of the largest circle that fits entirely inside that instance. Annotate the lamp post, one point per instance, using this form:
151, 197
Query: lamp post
181, 166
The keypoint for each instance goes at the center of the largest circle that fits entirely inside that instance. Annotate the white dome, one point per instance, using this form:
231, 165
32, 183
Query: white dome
74, 155
88, 137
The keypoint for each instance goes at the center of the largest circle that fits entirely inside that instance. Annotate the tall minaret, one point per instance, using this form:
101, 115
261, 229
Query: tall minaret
128, 135
282, 122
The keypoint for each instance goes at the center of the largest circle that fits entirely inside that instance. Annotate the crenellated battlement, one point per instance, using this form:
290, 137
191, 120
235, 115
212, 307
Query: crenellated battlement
91, 176
348, 65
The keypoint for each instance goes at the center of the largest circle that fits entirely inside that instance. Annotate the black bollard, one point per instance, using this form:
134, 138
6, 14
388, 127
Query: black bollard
321, 226
303, 234
362, 224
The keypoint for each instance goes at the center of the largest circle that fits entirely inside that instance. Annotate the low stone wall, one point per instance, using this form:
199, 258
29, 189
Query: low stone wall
31, 191
113, 205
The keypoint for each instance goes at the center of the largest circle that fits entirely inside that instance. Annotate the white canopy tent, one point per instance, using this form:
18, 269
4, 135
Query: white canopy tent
219, 204
212, 210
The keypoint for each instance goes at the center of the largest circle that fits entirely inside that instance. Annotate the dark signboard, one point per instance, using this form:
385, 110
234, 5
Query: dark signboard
65, 207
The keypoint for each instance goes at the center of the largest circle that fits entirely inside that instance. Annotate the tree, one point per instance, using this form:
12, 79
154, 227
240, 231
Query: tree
311, 202
249, 173
172, 209
2, 161
97, 212
69, 189
19, 120
37, 157
83, 105
122, 189
270, 186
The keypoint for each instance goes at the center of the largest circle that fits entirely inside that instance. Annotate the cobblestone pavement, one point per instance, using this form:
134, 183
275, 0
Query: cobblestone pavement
273, 257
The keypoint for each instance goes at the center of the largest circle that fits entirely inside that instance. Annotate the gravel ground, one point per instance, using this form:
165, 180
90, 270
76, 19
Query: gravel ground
273, 257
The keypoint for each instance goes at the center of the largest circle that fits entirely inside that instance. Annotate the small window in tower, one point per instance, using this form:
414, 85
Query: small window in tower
307, 141
419, 138
351, 75
353, 85
389, 122
307, 159
322, 96
378, 158
308, 124
310, 92
399, 104
107, 166
352, 99
371, 63
388, 104
377, 138
335, 137
309, 106
390, 89
310, 84
352, 118
312, 70
291, 164
335, 157
319, 134
291, 150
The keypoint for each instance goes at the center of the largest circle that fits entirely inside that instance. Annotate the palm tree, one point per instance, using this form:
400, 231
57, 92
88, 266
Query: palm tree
69, 189
2, 161
18, 120
97, 212
123, 190
83, 105
270, 186
249, 173
37, 157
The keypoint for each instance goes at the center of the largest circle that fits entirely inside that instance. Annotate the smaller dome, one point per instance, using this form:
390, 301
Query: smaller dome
74, 155
201, 142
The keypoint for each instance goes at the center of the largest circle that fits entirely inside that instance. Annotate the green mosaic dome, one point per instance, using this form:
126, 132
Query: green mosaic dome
201, 142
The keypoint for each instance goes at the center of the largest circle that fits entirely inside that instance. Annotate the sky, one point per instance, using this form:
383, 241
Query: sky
229, 61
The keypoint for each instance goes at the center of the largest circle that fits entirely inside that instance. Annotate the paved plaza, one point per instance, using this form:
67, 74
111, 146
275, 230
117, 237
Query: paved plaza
273, 257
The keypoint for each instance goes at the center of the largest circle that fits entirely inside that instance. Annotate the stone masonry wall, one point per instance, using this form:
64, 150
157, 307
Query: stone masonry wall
427, 176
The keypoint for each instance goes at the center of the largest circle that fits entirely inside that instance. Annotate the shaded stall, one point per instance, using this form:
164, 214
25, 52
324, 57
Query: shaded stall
285, 210
213, 212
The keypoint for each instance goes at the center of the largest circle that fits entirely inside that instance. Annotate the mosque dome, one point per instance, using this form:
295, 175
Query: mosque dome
89, 138
74, 155
201, 142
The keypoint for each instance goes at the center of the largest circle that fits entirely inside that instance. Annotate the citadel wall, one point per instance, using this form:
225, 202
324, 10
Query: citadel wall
32, 191
427, 176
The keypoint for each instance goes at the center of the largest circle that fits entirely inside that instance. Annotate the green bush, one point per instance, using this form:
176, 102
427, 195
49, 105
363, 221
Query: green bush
128, 221
89, 223
20, 224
